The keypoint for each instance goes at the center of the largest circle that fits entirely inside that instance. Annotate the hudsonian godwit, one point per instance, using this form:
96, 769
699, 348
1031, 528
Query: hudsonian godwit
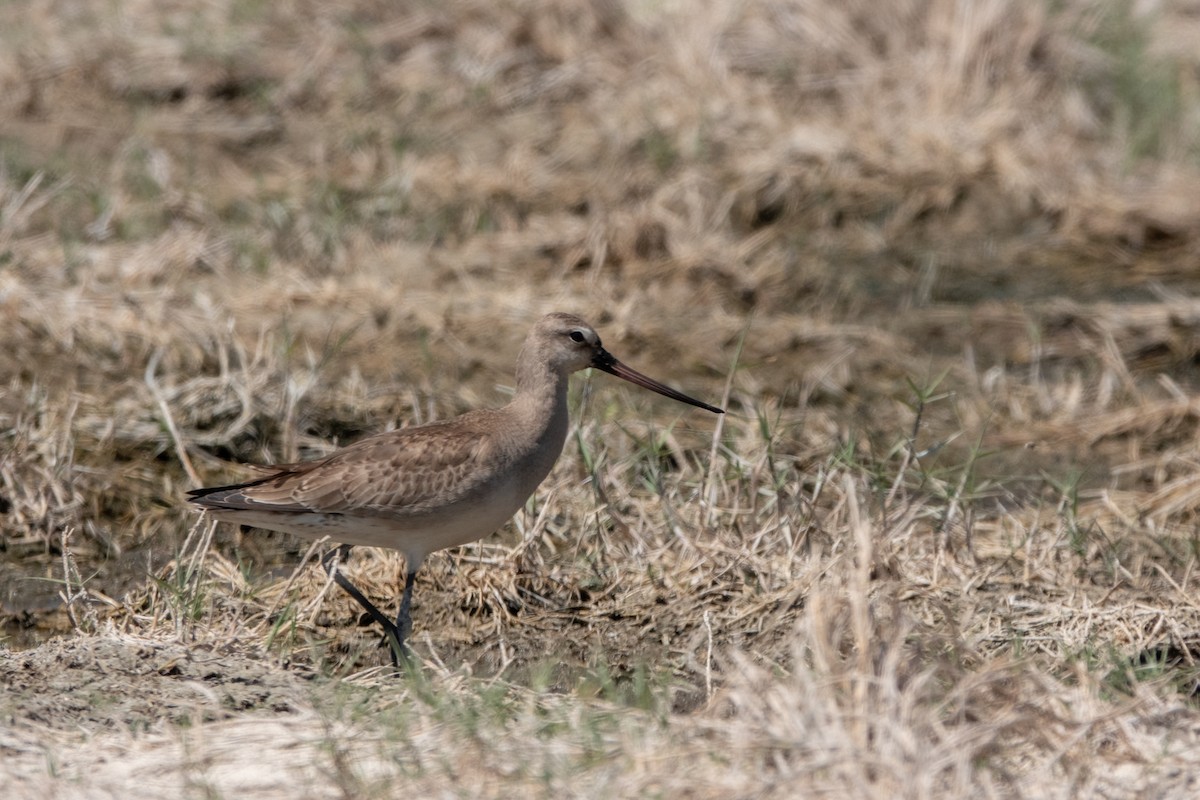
434, 486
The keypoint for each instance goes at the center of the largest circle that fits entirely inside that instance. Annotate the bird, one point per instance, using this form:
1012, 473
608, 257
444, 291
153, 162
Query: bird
425, 488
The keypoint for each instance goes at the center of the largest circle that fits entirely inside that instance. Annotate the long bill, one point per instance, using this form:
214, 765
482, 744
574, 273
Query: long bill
605, 361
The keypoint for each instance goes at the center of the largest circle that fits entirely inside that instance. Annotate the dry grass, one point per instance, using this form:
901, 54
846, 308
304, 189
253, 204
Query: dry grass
937, 254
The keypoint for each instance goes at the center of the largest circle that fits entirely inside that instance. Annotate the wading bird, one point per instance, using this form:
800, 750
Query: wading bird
434, 486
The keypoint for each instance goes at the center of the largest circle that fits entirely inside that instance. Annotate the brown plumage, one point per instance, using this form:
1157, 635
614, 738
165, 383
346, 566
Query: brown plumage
447, 483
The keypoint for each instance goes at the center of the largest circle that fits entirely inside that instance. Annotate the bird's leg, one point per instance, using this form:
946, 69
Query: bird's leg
392, 635
404, 618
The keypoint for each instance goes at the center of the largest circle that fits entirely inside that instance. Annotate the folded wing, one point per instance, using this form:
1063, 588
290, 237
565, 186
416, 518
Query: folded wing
407, 471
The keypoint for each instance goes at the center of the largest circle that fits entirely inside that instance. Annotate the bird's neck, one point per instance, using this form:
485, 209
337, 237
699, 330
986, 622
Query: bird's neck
541, 401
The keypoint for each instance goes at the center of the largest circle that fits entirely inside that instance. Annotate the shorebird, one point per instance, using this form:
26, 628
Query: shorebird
425, 488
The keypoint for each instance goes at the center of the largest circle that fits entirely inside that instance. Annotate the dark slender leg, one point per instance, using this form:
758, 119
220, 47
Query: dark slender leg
404, 618
392, 634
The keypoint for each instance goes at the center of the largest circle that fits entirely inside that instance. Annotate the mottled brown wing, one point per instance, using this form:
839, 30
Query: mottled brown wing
405, 471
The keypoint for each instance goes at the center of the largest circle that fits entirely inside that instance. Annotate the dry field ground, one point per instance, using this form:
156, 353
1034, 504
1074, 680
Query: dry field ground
937, 258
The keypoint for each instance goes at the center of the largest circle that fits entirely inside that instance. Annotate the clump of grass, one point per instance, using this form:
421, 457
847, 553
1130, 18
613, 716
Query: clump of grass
1143, 95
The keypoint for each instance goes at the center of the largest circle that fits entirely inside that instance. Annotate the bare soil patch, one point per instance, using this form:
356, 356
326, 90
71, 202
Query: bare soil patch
127, 683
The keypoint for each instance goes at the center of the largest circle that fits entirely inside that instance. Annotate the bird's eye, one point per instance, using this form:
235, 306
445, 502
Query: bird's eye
577, 336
